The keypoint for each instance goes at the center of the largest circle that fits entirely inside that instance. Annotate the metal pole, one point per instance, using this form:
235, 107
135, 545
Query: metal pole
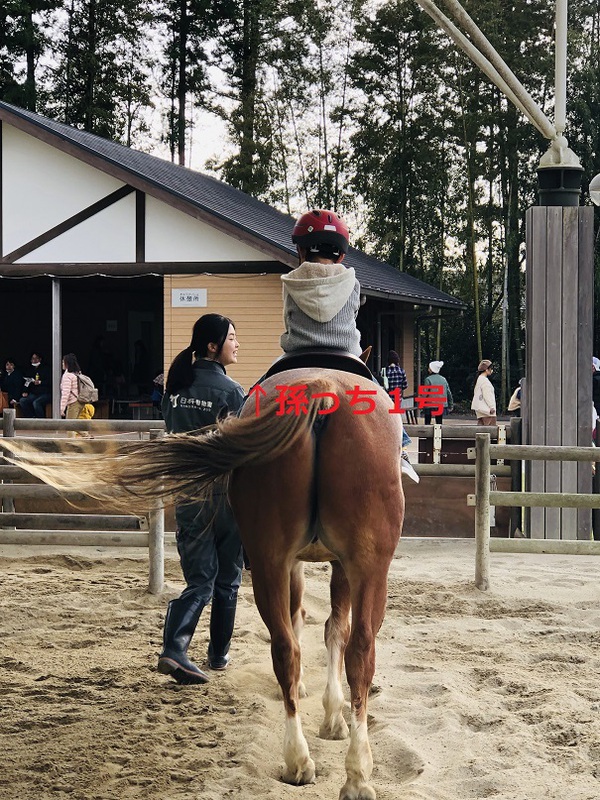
56, 346
560, 66
507, 81
156, 538
482, 511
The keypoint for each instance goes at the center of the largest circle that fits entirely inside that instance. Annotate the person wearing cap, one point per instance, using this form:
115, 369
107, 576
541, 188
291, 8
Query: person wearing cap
484, 396
435, 379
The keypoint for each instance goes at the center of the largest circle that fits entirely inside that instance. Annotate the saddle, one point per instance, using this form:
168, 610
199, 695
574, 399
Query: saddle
322, 357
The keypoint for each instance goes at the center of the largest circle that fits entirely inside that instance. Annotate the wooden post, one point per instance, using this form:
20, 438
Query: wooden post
156, 538
8, 429
516, 522
596, 490
558, 392
482, 511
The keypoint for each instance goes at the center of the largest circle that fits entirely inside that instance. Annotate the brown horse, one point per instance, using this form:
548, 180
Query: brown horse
320, 484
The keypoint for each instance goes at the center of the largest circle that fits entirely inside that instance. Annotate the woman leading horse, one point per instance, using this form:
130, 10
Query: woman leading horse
322, 484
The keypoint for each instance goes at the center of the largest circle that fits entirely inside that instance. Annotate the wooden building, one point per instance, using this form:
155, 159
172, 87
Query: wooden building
112, 254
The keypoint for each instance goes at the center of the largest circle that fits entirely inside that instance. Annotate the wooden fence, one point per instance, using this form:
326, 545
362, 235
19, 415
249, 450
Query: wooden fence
484, 498
114, 530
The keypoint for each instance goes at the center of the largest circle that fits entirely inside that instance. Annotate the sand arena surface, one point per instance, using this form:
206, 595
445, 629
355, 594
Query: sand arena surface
491, 695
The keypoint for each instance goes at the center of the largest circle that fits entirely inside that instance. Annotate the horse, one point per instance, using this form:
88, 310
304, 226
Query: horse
313, 475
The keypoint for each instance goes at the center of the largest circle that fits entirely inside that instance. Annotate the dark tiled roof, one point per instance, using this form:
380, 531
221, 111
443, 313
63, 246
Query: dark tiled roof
255, 218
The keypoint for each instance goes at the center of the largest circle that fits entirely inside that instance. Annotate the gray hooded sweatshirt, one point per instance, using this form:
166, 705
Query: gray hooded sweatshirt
320, 305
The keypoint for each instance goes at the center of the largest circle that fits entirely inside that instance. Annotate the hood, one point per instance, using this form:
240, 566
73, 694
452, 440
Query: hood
320, 290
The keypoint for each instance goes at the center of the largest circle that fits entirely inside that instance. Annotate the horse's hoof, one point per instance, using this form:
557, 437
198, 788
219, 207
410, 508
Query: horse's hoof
301, 776
335, 731
362, 791
302, 690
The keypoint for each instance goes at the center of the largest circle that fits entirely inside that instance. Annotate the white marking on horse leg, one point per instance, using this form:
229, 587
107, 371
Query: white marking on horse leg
334, 725
359, 764
300, 768
298, 626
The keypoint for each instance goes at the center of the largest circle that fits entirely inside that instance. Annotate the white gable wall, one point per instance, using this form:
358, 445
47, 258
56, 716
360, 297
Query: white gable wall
42, 187
172, 235
108, 236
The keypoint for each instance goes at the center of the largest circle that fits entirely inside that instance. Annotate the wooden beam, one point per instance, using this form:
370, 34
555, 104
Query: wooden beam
67, 224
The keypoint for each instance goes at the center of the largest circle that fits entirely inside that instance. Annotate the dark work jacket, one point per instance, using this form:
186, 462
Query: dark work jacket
211, 395
45, 374
13, 384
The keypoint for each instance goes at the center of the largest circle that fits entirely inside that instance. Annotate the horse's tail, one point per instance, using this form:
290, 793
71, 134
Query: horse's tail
179, 466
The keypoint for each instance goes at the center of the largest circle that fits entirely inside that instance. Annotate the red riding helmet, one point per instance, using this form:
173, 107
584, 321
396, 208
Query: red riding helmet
321, 227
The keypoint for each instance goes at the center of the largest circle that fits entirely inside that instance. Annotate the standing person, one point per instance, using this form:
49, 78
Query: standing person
321, 297
38, 388
70, 407
435, 379
596, 383
396, 376
514, 404
197, 393
12, 382
484, 397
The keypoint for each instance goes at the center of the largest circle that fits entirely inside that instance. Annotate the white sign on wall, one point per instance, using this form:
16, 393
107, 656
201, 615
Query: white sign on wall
190, 298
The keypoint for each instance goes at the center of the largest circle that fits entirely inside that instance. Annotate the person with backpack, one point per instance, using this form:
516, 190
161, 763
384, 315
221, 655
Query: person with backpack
70, 406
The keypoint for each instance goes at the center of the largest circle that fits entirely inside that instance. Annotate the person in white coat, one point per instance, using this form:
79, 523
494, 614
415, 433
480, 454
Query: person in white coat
484, 396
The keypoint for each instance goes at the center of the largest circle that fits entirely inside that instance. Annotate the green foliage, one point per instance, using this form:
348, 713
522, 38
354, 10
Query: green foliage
100, 79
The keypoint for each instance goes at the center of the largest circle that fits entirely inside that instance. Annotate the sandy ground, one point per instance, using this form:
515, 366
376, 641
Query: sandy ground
490, 695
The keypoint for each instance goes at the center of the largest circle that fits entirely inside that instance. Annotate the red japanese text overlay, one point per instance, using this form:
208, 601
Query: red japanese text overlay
294, 400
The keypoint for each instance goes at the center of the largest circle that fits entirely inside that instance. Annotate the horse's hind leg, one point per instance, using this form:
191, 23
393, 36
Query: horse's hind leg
337, 630
272, 594
368, 593
298, 614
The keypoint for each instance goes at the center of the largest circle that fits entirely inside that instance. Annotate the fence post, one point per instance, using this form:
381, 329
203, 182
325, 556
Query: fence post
596, 490
156, 538
516, 479
482, 511
7, 504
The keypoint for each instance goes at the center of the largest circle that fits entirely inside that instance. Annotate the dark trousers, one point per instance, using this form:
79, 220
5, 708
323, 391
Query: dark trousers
210, 551
34, 405
437, 417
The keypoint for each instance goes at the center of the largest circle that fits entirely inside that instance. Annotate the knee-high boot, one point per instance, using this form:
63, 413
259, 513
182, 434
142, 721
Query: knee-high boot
222, 620
180, 623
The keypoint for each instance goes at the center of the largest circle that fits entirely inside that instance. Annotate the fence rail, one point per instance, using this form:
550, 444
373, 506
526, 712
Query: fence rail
484, 497
94, 530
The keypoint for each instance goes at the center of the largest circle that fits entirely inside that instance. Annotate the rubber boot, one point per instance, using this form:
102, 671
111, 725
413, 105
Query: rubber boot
222, 620
180, 624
